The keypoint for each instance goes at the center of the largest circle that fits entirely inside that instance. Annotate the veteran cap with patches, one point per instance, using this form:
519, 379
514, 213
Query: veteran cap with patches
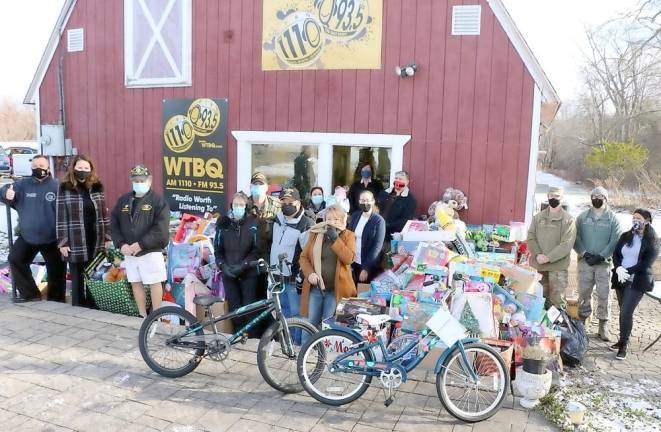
258, 178
140, 171
291, 193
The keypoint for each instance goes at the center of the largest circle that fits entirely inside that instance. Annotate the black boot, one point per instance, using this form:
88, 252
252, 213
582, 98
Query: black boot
615, 346
621, 352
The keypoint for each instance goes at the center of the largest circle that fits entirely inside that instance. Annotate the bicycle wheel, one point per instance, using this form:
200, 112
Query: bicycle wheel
461, 397
277, 368
314, 368
164, 352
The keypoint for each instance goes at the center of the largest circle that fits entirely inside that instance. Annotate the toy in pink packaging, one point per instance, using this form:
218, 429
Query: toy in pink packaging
477, 286
431, 255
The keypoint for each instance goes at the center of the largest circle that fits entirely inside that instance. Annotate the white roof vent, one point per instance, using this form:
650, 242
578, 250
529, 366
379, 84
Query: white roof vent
466, 20
75, 40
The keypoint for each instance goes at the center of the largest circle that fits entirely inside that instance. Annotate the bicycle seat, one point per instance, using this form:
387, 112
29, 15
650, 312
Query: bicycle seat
375, 321
206, 300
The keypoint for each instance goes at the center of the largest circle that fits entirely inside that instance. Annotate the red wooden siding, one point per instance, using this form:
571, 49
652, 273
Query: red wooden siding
468, 108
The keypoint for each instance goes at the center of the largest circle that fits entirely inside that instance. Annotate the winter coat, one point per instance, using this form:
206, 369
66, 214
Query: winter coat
358, 187
71, 230
149, 225
289, 237
371, 241
553, 235
34, 201
396, 210
345, 249
597, 236
642, 272
235, 243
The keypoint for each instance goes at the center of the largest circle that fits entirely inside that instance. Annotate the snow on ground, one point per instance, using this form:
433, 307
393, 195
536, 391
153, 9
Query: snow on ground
577, 198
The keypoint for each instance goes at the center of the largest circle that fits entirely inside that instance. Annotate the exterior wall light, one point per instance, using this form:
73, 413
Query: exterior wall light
406, 71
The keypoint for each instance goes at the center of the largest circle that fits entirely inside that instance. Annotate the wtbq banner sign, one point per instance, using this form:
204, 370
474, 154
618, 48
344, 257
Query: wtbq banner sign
194, 151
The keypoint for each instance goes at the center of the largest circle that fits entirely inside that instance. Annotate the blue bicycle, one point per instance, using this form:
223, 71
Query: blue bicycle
173, 342
336, 366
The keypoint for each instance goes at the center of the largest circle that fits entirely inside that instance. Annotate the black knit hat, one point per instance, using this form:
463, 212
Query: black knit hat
646, 214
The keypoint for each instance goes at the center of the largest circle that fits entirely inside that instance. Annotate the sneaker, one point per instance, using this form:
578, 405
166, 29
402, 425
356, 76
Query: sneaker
615, 347
621, 353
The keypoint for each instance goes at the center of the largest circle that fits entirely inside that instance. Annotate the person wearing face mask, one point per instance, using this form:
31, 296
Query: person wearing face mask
551, 237
326, 263
139, 227
366, 182
289, 238
33, 198
264, 208
397, 205
633, 274
370, 230
83, 223
316, 204
597, 233
235, 246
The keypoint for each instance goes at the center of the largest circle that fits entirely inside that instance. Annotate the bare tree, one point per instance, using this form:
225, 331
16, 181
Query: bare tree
16, 122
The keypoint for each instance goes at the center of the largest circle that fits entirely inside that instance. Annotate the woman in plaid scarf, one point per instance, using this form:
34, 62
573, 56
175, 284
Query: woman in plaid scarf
82, 222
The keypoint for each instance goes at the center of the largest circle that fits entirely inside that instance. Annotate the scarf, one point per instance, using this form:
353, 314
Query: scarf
320, 230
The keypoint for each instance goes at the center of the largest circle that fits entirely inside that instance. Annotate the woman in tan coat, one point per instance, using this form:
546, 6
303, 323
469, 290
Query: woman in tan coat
326, 264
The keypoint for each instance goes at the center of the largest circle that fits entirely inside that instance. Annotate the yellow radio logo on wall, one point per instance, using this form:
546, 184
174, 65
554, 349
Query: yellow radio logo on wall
322, 34
203, 120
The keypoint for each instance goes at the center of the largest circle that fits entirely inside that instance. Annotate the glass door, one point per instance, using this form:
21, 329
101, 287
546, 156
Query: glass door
348, 161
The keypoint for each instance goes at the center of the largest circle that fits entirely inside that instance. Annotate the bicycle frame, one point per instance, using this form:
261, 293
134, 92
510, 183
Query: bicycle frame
268, 306
397, 361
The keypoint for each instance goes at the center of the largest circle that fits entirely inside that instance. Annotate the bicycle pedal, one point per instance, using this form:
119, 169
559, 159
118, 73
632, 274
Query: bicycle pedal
389, 401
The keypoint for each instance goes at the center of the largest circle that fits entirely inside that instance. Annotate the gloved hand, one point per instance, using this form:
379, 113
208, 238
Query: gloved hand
237, 269
332, 233
622, 274
227, 270
595, 259
587, 256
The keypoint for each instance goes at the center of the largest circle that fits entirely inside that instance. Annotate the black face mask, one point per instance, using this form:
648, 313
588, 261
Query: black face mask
39, 173
365, 207
81, 175
597, 203
289, 210
554, 202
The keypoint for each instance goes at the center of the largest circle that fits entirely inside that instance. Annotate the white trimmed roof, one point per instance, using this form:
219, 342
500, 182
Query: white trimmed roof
550, 99
49, 52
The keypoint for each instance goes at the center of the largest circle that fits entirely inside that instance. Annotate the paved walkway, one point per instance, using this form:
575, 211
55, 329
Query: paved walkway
66, 368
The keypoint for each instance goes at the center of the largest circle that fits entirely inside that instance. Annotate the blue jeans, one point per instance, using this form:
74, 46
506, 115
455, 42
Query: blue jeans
320, 308
291, 307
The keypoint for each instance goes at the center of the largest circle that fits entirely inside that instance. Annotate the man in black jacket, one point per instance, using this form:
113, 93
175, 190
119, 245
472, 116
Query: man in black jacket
139, 227
397, 206
34, 200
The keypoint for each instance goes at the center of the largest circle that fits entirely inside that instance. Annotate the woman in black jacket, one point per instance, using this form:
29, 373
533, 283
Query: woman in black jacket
370, 230
235, 247
633, 259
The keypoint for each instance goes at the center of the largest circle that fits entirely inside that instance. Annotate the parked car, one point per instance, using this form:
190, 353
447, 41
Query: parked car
5, 162
12, 151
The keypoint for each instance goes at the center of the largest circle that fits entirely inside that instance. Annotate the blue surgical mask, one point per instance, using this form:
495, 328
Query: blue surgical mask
366, 173
140, 188
258, 191
317, 200
238, 212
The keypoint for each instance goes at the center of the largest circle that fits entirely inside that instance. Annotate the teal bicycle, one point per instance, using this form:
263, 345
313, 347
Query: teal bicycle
173, 342
337, 366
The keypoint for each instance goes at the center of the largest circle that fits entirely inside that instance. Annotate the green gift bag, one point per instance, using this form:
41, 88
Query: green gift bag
115, 297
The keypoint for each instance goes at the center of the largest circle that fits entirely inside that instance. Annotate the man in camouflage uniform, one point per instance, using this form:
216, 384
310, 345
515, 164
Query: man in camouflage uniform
265, 208
597, 233
550, 239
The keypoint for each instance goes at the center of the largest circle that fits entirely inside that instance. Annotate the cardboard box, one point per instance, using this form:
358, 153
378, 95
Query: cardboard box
218, 309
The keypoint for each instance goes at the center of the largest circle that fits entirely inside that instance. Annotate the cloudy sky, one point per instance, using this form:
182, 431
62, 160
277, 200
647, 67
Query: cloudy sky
553, 28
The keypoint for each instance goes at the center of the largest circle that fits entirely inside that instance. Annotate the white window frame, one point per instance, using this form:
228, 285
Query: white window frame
324, 143
185, 79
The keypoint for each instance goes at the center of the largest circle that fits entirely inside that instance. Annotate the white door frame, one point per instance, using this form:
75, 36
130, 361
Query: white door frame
324, 143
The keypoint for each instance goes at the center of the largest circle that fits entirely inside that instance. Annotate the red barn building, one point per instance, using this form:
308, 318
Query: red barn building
469, 117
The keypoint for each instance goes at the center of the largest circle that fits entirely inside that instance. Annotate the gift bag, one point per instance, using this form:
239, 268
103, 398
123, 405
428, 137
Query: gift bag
182, 259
